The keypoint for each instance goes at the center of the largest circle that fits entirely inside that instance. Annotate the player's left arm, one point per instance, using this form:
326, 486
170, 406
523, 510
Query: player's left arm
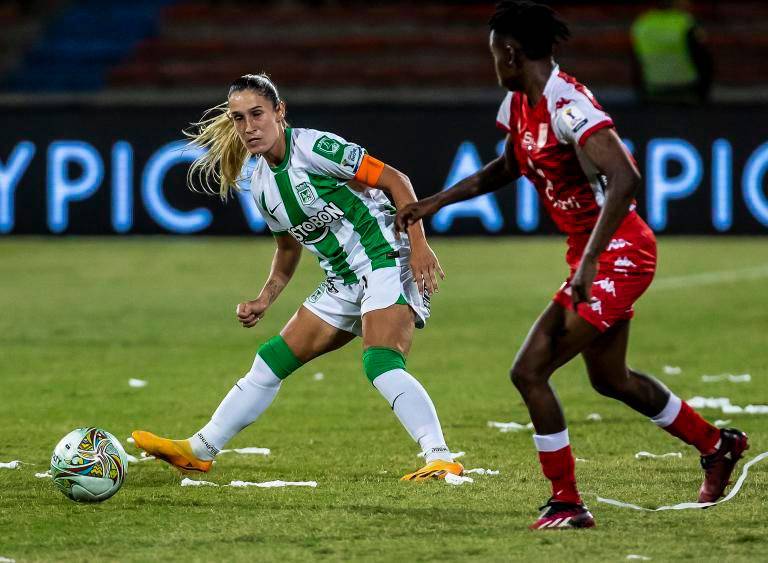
605, 149
376, 174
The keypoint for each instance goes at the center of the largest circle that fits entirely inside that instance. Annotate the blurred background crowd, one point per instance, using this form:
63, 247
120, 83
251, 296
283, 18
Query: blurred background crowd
673, 51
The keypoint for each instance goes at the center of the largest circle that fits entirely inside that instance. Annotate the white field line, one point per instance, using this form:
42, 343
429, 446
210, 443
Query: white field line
711, 278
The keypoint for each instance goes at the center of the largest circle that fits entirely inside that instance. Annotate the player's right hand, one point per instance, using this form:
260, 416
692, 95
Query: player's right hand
249, 313
414, 212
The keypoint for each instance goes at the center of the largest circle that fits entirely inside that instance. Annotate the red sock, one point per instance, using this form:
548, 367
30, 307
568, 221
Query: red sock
692, 429
559, 468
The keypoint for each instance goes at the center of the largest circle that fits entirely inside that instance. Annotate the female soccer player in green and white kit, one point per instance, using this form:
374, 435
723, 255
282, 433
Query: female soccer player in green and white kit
317, 191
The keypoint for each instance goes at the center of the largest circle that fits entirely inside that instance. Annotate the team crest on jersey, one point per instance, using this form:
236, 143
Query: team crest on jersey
329, 148
574, 118
306, 193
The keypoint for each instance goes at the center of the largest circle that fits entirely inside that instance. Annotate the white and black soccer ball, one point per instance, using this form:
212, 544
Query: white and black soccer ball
89, 465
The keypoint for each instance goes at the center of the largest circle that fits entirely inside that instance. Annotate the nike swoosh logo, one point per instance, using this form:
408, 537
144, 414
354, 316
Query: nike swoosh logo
271, 211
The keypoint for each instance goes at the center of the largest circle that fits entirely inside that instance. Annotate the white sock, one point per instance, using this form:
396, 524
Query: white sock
415, 411
551, 442
669, 413
243, 404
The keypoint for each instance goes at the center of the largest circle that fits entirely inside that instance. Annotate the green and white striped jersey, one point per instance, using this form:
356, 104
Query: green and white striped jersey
307, 196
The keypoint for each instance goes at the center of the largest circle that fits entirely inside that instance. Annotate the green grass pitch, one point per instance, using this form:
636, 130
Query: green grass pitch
79, 317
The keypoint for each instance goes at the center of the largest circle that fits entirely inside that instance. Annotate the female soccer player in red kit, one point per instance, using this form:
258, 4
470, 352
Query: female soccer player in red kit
560, 138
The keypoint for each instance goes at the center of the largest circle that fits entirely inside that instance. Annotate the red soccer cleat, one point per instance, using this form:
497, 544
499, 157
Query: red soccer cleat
563, 515
719, 465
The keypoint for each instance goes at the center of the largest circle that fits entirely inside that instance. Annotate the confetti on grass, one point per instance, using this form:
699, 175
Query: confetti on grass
509, 426
725, 405
594, 416
640, 455
672, 370
639, 557
133, 382
15, 464
452, 479
187, 482
689, 505
481, 471
46, 475
248, 451
743, 378
134, 459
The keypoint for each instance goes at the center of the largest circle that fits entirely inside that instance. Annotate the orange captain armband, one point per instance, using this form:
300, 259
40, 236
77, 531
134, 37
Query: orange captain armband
369, 171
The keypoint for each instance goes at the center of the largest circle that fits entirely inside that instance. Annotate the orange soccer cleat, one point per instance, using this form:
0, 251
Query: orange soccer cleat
176, 452
437, 469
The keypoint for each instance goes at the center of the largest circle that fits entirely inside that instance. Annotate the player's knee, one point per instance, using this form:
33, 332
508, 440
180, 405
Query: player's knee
278, 357
606, 387
378, 360
523, 376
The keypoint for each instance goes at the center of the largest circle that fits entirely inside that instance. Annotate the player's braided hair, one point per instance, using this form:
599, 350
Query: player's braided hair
218, 170
535, 26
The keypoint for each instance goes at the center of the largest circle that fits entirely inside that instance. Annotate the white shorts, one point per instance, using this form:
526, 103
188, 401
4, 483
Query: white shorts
343, 306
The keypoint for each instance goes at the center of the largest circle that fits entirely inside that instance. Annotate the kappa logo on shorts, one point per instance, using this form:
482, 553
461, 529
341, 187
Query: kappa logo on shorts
607, 285
618, 244
315, 228
622, 264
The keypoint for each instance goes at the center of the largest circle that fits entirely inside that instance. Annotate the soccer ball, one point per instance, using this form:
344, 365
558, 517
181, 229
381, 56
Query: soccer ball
88, 465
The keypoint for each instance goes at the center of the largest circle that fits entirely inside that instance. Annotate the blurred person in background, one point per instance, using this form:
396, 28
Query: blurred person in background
671, 61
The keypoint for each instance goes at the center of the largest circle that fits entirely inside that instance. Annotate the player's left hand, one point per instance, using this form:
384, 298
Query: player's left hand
426, 268
581, 283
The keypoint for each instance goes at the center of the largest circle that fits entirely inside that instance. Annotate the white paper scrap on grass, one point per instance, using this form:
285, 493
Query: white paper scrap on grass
672, 370
722, 423
452, 479
689, 505
251, 450
46, 475
638, 557
319, 376
133, 382
509, 426
187, 482
15, 464
594, 416
640, 455
743, 378
581, 459
143, 457
6, 560
273, 484
454, 455
481, 471
725, 405
130, 440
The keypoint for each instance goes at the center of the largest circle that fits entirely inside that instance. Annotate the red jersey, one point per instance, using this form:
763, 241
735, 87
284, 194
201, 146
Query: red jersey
546, 142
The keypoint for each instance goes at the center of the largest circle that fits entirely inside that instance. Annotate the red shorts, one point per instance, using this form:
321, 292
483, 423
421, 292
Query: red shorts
625, 270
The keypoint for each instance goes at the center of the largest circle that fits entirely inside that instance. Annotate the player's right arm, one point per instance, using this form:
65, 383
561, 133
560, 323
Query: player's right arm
493, 176
284, 265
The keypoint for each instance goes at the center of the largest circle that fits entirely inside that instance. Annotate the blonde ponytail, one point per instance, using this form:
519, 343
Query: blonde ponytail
218, 169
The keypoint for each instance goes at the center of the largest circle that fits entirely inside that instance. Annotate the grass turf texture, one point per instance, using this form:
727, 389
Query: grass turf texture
82, 316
